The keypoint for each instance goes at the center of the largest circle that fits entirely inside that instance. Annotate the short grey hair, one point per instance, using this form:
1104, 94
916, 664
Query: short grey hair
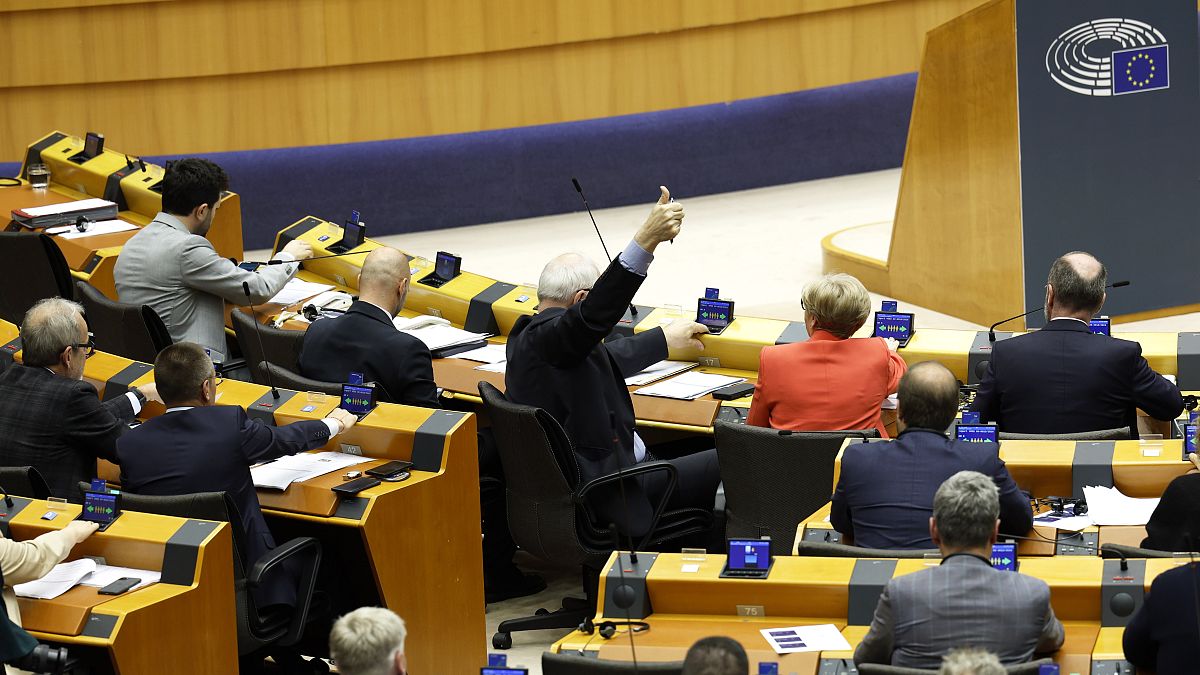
971, 661
839, 303
366, 641
49, 327
1072, 290
965, 509
566, 275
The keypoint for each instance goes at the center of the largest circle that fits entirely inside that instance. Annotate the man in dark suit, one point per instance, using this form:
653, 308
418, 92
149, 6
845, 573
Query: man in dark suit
558, 361
364, 340
1177, 515
884, 495
1164, 635
964, 601
1063, 378
50, 418
197, 446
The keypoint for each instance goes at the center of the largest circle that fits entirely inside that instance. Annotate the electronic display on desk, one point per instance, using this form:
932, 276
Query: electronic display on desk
716, 315
970, 417
93, 145
1189, 439
1004, 556
358, 398
977, 433
447, 265
896, 325
101, 508
487, 670
1101, 326
748, 559
712, 294
889, 306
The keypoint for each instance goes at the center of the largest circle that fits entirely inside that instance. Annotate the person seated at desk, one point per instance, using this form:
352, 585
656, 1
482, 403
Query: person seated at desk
830, 381
364, 339
1063, 378
963, 601
716, 656
198, 446
369, 641
171, 267
884, 495
1177, 514
558, 361
1164, 635
50, 418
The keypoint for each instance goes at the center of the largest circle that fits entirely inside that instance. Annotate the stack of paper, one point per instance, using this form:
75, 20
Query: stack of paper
819, 638
485, 354
689, 386
439, 337
284, 471
658, 371
1107, 506
61, 579
296, 290
102, 227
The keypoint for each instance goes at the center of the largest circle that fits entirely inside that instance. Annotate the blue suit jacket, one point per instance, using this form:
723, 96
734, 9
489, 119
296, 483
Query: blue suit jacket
1063, 379
884, 496
1161, 638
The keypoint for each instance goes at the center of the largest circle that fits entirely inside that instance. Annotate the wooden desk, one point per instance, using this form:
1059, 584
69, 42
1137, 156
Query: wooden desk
184, 624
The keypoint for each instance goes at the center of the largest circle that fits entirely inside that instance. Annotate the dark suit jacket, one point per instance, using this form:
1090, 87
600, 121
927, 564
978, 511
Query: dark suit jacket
211, 449
884, 496
557, 361
1063, 378
1162, 636
1176, 516
58, 426
364, 340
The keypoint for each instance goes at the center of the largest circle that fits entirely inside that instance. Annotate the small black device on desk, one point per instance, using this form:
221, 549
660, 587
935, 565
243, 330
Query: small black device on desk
1004, 556
748, 559
120, 586
354, 233
358, 399
386, 471
93, 146
102, 508
445, 267
899, 326
716, 315
1189, 439
249, 265
733, 391
353, 487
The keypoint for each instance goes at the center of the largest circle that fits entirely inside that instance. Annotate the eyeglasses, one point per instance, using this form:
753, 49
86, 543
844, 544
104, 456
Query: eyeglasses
90, 345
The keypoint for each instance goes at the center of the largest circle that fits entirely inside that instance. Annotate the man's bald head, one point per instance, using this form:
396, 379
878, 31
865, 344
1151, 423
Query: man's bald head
1077, 280
383, 272
565, 276
928, 396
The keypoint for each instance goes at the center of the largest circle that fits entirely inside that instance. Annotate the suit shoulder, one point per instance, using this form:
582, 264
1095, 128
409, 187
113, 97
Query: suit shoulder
1035, 588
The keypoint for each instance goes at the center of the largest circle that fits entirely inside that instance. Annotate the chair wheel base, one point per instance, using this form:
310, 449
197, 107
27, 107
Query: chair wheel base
502, 641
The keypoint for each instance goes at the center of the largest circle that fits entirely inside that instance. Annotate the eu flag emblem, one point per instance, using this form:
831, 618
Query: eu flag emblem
1140, 69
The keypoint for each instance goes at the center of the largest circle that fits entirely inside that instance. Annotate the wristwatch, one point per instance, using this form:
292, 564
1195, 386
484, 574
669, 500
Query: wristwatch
137, 393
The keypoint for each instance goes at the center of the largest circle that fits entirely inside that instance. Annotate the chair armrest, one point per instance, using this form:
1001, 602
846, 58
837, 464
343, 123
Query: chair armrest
231, 364
642, 469
306, 552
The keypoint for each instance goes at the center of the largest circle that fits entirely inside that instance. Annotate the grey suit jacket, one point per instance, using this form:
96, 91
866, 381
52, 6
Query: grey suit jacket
962, 602
181, 276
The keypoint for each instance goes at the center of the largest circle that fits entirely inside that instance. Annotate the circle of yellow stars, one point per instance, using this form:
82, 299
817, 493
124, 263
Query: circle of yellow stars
1129, 70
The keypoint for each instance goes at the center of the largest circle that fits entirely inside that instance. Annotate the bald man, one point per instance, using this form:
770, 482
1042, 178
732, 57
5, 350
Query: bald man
1065, 379
364, 340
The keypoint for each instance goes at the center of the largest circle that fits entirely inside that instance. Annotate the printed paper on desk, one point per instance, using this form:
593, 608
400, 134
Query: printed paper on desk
658, 371
484, 354
1107, 506
493, 367
296, 290
59, 580
66, 207
819, 638
689, 386
100, 227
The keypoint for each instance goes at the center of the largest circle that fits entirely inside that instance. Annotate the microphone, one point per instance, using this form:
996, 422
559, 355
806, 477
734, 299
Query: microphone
276, 261
578, 188
992, 329
1101, 549
258, 332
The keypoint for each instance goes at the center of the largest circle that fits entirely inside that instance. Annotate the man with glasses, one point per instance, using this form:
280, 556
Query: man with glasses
50, 418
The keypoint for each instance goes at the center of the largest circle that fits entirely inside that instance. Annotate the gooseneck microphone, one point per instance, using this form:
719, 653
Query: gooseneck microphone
992, 328
276, 261
258, 332
578, 188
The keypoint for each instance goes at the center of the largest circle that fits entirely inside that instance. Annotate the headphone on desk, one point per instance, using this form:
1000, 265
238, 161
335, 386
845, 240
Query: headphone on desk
608, 629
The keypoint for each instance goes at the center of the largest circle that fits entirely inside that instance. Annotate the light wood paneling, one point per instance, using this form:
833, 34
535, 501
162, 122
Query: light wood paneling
211, 75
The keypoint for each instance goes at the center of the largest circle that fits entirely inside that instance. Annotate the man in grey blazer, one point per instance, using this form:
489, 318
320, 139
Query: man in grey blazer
964, 601
171, 267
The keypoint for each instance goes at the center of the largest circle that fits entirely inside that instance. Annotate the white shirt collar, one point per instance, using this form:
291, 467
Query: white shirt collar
1071, 318
180, 408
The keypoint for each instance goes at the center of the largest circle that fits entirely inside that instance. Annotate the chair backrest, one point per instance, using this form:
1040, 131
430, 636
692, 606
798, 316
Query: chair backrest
1030, 668
775, 479
1117, 550
822, 549
1119, 434
541, 477
31, 268
573, 664
133, 331
24, 481
282, 377
201, 505
280, 347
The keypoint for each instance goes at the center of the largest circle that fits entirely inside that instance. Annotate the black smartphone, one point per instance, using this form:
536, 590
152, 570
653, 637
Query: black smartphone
119, 586
249, 265
389, 469
353, 487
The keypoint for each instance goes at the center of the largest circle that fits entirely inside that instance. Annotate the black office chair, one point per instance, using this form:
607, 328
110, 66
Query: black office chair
1030, 668
775, 479
282, 377
132, 331
574, 664
24, 481
550, 513
31, 268
823, 549
1119, 434
280, 347
1119, 550
258, 630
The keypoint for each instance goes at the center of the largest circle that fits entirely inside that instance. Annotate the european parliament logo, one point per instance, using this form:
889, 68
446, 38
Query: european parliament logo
1110, 57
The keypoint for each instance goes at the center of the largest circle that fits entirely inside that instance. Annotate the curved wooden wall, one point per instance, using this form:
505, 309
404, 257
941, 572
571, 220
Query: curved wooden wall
174, 76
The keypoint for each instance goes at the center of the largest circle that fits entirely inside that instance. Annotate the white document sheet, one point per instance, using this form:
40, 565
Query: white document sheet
689, 386
1068, 523
106, 574
658, 371
485, 354
1107, 506
819, 638
296, 290
493, 367
440, 337
61, 579
67, 207
284, 471
100, 227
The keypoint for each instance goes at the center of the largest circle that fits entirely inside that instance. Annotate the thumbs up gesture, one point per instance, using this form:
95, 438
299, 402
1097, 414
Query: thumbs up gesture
663, 223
